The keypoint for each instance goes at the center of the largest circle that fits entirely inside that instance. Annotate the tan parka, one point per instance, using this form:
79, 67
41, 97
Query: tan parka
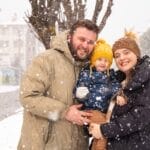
45, 93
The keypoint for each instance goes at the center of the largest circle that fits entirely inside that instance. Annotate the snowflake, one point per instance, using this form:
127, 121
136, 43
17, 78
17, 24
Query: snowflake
128, 124
37, 74
98, 98
61, 82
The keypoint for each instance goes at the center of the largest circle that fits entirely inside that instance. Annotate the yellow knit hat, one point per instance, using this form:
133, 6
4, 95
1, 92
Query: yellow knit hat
102, 50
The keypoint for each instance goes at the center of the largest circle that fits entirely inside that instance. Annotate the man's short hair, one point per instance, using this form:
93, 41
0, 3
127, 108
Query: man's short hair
88, 24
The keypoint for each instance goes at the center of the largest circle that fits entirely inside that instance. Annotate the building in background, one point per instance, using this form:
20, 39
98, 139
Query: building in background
18, 45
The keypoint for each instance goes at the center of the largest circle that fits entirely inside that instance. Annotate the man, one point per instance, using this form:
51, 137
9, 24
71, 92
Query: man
51, 119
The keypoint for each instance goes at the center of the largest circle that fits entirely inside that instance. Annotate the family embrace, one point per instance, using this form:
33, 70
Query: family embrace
70, 94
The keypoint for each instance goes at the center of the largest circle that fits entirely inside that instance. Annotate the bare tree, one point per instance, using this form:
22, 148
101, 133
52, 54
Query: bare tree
144, 42
47, 14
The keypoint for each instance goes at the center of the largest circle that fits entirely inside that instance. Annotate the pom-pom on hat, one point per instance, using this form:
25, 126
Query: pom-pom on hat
102, 50
128, 42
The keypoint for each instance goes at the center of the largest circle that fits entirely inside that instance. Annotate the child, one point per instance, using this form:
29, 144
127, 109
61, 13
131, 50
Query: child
97, 82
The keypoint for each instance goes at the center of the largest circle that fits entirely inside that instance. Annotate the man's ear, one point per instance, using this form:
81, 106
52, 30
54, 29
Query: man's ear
69, 38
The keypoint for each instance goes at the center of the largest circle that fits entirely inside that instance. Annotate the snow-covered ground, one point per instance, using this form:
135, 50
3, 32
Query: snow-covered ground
10, 129
9, 100
6, 88
10, 117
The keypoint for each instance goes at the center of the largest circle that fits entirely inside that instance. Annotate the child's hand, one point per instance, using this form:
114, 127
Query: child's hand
121, 100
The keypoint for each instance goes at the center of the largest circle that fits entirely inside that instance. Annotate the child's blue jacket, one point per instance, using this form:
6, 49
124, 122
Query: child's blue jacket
101, 88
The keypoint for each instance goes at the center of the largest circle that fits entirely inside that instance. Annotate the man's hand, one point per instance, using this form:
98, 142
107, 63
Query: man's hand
77, 116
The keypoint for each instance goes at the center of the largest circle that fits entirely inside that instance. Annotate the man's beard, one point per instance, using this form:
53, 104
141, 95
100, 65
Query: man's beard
74, 54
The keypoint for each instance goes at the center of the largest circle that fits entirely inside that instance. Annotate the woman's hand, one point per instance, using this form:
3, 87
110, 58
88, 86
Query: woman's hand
94, 130
120, 100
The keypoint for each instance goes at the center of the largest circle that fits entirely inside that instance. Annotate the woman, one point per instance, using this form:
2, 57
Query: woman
129, 127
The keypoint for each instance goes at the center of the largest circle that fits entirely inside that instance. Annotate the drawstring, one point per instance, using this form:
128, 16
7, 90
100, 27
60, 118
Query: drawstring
90, 71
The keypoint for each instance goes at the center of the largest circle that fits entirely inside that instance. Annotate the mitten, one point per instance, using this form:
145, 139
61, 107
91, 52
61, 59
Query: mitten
82, 92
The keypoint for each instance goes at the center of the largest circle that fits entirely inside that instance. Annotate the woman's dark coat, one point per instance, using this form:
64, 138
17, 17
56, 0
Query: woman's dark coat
129, 128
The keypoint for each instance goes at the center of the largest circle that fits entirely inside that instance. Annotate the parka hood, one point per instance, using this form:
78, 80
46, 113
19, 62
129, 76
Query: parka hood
59, 43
